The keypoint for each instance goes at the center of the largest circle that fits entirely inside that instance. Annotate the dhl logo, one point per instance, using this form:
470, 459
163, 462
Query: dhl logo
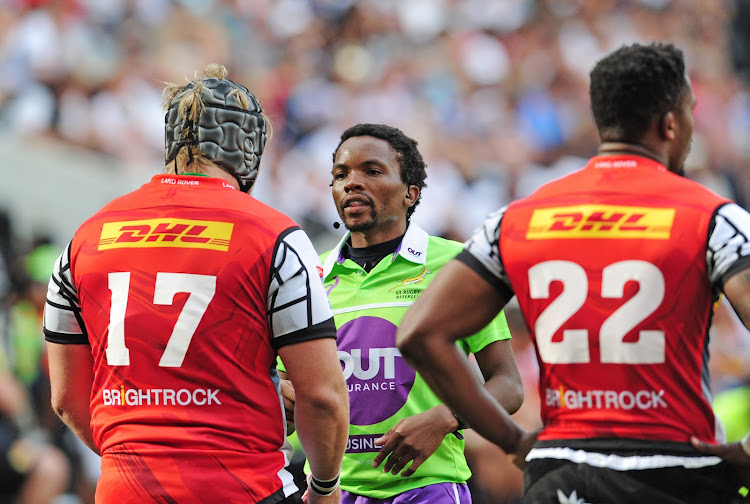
601, 221
166, 233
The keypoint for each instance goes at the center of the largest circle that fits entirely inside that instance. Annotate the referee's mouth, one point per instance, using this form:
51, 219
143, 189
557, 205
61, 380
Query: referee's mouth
356, 204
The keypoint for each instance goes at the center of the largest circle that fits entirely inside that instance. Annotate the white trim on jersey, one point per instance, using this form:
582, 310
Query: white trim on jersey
296, 297
286, 477
620, 463
372, 306
62, 303
484, 245
729, 241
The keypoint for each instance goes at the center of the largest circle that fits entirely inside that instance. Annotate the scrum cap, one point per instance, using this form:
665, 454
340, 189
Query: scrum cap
225, 132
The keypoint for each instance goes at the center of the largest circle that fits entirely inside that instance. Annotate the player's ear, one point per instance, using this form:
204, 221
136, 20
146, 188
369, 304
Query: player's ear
668, 126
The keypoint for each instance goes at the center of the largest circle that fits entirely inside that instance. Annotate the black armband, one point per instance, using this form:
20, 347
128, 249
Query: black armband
324, 487
461, 426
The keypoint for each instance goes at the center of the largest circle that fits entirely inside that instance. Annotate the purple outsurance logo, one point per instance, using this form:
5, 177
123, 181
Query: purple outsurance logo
378, 379
362, 443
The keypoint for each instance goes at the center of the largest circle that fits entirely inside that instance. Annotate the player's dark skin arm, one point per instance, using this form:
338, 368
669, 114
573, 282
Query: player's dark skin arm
459, 302
737, 292
414, 439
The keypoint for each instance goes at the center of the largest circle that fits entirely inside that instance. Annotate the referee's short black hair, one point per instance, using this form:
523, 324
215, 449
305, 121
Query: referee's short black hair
413, 170
633, 85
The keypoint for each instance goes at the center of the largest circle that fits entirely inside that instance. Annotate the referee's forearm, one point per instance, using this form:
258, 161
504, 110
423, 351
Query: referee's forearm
507, 391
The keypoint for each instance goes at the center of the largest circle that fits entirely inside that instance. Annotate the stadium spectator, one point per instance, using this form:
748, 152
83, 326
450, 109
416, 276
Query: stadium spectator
166, 312
495, 92
616, 268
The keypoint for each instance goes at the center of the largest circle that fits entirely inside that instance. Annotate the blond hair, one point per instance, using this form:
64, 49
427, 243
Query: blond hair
190, 107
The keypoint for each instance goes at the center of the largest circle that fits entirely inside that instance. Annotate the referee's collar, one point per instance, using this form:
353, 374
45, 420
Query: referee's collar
412, 248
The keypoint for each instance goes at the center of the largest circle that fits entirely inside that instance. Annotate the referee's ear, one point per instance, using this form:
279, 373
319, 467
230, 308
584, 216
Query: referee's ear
412, 195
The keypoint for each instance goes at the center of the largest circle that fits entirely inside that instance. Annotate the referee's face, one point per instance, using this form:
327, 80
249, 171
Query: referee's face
370, 196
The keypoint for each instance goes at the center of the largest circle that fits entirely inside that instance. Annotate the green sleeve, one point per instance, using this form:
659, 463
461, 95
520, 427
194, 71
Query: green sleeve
496, 330
280, 365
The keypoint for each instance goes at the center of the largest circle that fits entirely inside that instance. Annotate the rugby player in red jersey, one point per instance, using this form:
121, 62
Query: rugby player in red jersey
166, 312
616, 268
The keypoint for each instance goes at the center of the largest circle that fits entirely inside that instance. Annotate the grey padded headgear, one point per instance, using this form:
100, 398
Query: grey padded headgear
229, 135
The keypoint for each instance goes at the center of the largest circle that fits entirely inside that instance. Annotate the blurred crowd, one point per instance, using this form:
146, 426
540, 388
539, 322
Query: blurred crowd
495, 92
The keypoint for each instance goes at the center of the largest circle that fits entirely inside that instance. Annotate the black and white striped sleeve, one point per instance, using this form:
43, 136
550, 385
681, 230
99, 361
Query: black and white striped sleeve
482, 253
728, 250
62, 311
298, 307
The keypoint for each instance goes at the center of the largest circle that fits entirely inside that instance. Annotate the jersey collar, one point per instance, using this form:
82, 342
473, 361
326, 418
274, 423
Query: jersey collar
190, 181
413, 248
624, 161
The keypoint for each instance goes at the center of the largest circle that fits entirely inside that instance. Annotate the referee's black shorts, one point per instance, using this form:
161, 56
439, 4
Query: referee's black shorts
624, 472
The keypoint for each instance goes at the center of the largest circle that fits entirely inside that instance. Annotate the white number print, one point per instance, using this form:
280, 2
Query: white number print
574, 346
201, 289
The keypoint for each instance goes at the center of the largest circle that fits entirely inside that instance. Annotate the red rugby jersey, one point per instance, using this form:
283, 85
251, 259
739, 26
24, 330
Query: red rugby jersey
184, 289
609, 265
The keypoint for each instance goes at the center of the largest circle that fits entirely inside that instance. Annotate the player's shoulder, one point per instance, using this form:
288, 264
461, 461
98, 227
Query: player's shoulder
110, 210
245, 209
567, 183
243, 203
271, 214
239, 209
682, 192
709, 198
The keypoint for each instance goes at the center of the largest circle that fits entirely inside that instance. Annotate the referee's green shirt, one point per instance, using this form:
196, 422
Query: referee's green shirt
383, 389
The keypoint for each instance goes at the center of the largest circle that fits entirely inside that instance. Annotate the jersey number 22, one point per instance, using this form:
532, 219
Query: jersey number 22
574, 347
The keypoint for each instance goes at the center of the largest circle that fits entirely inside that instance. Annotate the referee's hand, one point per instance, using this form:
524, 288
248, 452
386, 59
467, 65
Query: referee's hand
290, 400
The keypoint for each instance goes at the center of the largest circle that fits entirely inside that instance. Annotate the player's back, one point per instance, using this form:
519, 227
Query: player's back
173, 285
609, 266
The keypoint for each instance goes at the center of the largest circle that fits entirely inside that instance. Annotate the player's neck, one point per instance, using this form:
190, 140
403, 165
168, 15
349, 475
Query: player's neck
624, 149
